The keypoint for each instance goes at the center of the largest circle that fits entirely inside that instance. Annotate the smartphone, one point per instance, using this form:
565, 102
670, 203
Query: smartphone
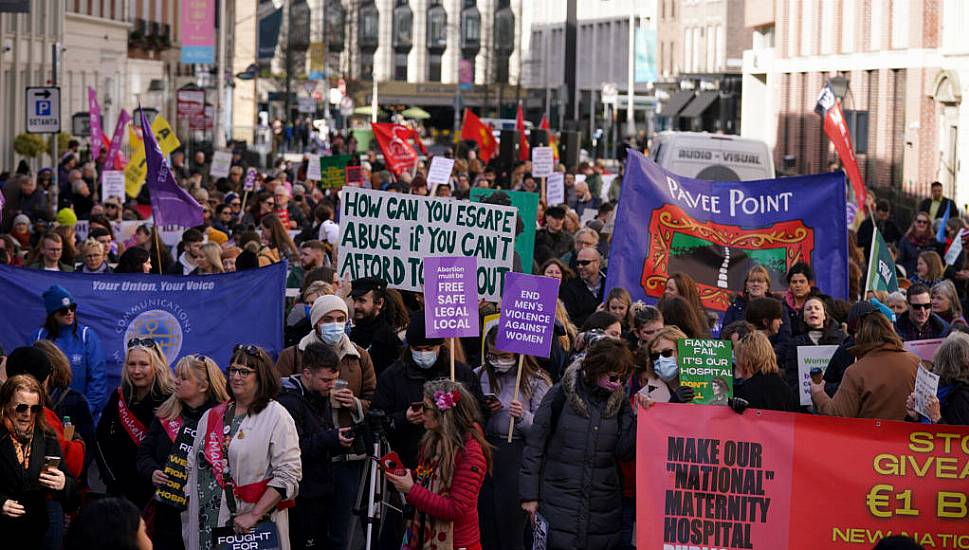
347, 433
391, 463
817, 375
490, 397
417, 406
51, 462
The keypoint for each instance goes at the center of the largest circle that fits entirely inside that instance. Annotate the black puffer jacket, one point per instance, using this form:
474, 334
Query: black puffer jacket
787, 353
574, 471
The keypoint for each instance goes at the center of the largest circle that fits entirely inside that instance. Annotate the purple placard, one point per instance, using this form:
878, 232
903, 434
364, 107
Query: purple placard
527, 314
450, 296
250, 182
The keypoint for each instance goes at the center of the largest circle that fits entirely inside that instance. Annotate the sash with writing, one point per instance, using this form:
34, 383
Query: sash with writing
136, 430
172, 492
172, 427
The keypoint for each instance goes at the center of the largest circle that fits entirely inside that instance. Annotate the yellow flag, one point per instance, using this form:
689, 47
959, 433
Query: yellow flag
137, 169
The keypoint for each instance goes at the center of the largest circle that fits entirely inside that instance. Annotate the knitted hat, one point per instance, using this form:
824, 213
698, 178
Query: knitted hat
325, 304
29, 360
21, 218
417, 334
57, 297
66, 216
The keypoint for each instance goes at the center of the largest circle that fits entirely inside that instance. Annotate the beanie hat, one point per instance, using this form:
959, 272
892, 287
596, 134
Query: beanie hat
57, 297
66, 216
21, 218
857, 311
29, 360
325, 304
417, 334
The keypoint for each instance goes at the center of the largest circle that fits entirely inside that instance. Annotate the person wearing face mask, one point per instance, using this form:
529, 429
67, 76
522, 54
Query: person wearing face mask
400, 391
501, 518
349, 404
660, 375
573, 484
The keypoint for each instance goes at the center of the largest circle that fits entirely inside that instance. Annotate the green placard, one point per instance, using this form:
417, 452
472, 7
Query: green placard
333, 171
706, 366
527, 205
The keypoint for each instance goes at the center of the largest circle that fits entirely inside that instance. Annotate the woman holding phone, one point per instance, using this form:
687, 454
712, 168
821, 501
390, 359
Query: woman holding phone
502, 519
34, 474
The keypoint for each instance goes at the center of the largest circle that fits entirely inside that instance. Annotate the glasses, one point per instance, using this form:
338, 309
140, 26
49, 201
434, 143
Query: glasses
248, 349
920, 306
110, 206
668, 352
142, 343
23, 407
244, 373
65, 310
921, 222
583, 263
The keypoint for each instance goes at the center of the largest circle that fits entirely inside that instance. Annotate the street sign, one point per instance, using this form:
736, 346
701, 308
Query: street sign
81, 124
43, 110
610, 93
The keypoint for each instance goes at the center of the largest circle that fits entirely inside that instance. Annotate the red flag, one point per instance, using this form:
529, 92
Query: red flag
837, 131
392, 138
474, 130
553, 141
523, 152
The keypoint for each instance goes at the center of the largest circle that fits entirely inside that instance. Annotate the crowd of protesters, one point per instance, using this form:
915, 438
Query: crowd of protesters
279, 439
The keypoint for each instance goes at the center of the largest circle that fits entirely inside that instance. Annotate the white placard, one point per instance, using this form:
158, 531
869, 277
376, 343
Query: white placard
952, 254
543, 162
112, 184
809, 357
440, 171
555, 189
221, 162
926, 386
307, 105
313, 168
387, 235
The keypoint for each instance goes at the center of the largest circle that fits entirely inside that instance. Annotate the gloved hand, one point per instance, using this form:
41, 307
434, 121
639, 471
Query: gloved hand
684, 394
738, 404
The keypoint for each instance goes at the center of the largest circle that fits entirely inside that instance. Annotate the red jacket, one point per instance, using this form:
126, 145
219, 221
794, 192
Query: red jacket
73, 450
461, 506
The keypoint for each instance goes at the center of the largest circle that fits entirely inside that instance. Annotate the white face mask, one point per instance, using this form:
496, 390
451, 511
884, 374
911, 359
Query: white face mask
666, 368
504, 365
424, 359
331, 333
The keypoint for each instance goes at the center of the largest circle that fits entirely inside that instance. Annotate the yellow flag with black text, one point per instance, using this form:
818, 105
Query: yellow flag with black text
137, 169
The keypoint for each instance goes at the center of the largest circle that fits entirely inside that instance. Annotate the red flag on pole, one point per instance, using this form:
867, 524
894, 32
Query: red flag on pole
553, 141
474, 130
399, 155
523, 152
837, 131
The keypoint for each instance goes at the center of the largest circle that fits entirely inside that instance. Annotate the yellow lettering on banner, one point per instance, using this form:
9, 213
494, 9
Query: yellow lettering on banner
137, 169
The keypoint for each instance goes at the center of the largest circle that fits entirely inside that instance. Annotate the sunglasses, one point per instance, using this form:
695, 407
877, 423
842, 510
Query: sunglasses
583, 263
248, 349
69, 309
23, 407
111, 205
920, 306
668, 352
921, 222
142, 343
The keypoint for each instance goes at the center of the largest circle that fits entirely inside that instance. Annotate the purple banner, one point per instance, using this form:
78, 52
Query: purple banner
170, 204
250, 182
123, 119
94, 111
527, 314
450, 296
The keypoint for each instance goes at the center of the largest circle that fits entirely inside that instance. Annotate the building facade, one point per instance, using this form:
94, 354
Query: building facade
901, 69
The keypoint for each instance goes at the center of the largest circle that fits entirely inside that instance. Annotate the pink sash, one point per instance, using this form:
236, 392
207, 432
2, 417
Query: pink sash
136, 430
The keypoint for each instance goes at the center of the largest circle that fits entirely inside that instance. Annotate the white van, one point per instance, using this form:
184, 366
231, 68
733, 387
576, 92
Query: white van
719, 157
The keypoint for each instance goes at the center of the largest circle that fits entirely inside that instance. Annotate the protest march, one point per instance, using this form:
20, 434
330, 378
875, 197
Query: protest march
474, 346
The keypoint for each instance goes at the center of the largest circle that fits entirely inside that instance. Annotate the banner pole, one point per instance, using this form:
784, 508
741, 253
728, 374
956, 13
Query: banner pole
544, 196
451, 342
871, 256
158, 250
518, 383
242, 210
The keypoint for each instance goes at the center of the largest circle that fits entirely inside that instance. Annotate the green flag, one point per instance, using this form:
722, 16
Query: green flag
881, 266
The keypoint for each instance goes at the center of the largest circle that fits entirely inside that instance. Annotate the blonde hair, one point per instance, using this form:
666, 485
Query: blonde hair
162, 383
562, 316
201, 368
90, 243
61, 375
755, 354
213, 253
672, 333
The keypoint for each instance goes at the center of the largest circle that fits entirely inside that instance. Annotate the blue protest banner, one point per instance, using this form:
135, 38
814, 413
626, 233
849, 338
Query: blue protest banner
204, 314
715, 231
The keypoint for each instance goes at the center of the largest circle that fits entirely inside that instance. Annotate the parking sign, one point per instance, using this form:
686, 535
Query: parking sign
43, 110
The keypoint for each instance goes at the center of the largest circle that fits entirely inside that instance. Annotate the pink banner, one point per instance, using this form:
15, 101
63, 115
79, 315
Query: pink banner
197, 33
123, 119
94, 111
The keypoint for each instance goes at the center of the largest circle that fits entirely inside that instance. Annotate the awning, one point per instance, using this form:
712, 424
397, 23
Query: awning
699, 105
675, 104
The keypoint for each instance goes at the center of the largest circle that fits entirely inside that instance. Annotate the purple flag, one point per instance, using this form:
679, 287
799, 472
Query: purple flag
170, 204
451, 296
527, 314
123, 119
3, 201
94, 112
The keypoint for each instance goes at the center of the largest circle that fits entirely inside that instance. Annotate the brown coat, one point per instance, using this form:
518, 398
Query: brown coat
355, 367
876, 386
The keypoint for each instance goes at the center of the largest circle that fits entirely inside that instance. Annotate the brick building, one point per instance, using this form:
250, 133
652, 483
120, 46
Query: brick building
897, 64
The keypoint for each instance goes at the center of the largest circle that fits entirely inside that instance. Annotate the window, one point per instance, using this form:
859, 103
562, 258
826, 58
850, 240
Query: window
436, 27
366, 65
434, 67
504, 31
400, 66
857, 122
470, 28
403, 37
369, 30
336, 18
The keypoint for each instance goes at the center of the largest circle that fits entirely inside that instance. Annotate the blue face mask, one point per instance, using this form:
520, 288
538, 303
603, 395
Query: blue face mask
306, 310
424, 359
331, 333
666, 368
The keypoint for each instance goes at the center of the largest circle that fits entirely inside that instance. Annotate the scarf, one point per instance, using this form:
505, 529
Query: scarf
21, 444
425, 532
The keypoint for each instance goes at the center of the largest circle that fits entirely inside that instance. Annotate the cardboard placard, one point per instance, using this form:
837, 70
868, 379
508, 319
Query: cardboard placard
112, 184
221, 162
926, 386
543, 162
440, 171
555, 189
249, 184
450, 297
706, 366
333, 171
527, 314
925, 349
809, 357
313, 167
355, 176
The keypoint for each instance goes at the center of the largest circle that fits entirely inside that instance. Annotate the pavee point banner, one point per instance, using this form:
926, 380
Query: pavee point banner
716, 231
707, 477
388, 235
205, 314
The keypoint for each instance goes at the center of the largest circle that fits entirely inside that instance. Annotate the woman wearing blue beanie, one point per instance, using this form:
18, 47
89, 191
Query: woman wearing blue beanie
79, 343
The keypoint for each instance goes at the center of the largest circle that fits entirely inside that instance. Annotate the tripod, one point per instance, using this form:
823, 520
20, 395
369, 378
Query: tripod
370, 495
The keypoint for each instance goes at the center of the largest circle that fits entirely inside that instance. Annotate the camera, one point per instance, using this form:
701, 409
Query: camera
371, 429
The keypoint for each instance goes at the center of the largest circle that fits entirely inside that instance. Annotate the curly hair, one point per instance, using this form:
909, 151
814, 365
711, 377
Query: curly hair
455, 425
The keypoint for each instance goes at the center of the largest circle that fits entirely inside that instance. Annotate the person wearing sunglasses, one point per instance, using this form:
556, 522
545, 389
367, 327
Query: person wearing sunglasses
920, 323
245, 463
79, 342
146, 382
31, 472
199, 386
659, 377
576, 486
918, 239
583, 294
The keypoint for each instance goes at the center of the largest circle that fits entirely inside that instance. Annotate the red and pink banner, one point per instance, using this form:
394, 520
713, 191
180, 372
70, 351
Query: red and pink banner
837, 131
197, 31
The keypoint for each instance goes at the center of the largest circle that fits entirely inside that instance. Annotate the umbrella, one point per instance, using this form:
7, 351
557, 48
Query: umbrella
416, 113
365, 111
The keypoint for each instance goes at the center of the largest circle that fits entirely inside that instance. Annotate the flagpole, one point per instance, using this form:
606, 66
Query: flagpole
871, 256
158, 249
